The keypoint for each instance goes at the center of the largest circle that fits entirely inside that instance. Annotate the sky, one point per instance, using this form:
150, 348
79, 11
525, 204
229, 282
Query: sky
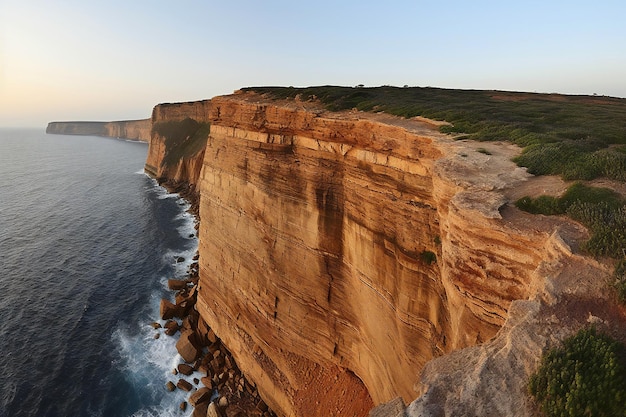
114, 60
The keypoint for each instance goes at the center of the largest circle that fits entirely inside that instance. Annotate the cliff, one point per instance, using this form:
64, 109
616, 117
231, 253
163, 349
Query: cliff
350, 258
177, 142
127, 129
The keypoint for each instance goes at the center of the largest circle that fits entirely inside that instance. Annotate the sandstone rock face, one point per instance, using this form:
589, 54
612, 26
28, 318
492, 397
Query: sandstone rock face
187, 168
126, 129
350, 259
337, 246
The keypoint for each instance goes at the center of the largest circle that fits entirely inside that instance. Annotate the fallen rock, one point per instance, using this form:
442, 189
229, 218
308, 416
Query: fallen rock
168, 310
176, 284
171, 327
186, 347
185, 369
200, 396
184, 385
183, 406
155, 325
170, 386
180, 259
201, 410
213, 411
207, 382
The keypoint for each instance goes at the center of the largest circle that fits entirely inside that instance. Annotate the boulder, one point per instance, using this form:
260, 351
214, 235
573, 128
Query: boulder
185, 369
201, 410
203, 395
184, 385
176, 284
183, 406
186, 348
213, 411
207, 382
168, 310
170, 386
171, 327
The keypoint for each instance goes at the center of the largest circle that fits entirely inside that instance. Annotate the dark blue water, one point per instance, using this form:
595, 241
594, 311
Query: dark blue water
87, 242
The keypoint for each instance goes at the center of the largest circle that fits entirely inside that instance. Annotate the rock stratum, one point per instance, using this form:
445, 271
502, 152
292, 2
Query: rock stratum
354, 260
127, 129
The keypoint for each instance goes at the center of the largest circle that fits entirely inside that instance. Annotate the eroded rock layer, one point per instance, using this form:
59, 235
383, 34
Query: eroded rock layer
340, 248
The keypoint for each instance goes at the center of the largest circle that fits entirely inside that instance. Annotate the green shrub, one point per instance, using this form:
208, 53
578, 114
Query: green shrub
584, 377
428, 257
601, 210
620, 280
607, 224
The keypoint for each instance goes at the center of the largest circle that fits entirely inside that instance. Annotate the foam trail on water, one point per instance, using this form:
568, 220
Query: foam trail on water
146, 360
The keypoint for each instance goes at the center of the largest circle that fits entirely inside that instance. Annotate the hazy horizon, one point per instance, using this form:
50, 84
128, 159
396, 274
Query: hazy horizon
114, 61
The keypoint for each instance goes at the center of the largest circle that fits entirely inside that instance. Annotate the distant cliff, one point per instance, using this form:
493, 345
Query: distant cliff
128, 129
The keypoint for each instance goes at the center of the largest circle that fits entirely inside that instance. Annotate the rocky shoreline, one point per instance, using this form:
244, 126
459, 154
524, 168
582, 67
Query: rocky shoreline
223, 390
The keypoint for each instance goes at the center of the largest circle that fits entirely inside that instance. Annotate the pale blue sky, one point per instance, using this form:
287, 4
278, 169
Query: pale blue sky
112, 60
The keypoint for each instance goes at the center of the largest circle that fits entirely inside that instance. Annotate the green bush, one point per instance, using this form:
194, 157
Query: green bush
584, 377
601, 210
607, 224
620, 280
541, 205
428, 257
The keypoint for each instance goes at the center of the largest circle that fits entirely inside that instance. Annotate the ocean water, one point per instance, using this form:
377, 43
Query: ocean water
87, 243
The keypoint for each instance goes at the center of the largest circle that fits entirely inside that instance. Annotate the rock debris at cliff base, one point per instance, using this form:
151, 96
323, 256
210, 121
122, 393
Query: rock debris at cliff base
222, 388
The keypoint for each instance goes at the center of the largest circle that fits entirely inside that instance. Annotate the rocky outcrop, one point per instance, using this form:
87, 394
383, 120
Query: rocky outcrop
343, 255
163, 160
127, 129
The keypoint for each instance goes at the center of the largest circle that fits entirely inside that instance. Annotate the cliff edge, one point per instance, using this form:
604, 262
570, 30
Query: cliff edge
350, 258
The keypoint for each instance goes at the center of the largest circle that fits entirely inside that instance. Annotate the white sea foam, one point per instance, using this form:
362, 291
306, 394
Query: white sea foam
148, 364
181, 268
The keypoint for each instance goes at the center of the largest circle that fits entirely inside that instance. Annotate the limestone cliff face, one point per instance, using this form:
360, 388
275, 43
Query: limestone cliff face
347, 259
126, 129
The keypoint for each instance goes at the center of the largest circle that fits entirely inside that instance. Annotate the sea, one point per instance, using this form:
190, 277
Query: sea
87, 243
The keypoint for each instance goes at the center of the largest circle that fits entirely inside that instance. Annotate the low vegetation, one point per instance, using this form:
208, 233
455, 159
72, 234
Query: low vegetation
586, 376
577, 137
182, 138
601, 210
428, 257
620, 280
